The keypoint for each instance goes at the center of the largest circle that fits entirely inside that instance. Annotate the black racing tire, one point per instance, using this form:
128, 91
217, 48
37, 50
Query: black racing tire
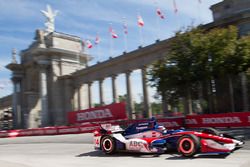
211, 131
108, 145
188, 145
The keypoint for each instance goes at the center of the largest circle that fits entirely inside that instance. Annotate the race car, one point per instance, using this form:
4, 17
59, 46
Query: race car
149, 137
139, 137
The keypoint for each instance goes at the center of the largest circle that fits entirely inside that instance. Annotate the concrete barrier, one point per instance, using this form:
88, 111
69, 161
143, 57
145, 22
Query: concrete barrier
234, 120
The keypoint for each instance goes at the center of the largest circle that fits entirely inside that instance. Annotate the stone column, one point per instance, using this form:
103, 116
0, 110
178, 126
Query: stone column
68, 95
83, 96
131, 114
101, 91
79, 97
75, 101
146, 109
68, 98
16, 99
90, 94
44, 93
14, 103
114, 92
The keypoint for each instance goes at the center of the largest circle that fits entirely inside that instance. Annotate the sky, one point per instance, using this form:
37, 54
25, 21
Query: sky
86, 18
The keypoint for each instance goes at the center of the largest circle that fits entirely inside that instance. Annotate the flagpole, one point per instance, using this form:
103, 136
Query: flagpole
176, 14
111, 46
125, 34
98, 53
97, 46
140, 31
199, 10
125, 42
111, 42
157, 21
140, 34
158, 28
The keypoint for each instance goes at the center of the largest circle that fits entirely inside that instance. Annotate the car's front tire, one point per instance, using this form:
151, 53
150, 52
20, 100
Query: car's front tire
108, 145
188, 145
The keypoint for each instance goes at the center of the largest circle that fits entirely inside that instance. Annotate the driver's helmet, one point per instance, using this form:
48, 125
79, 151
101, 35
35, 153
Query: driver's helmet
161, 129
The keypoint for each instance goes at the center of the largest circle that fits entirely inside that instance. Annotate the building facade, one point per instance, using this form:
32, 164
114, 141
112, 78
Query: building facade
38, 97
54, 78
232, 12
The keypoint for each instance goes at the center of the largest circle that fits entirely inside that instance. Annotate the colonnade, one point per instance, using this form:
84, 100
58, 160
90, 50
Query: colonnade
129, 101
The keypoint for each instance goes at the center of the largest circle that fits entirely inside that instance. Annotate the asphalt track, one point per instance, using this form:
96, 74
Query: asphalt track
77, 151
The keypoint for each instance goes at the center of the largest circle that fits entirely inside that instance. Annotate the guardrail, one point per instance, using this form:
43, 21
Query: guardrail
59, 130
192, 121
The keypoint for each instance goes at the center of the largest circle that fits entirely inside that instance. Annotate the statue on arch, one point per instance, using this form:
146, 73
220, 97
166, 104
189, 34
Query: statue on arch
50, 16
14, 61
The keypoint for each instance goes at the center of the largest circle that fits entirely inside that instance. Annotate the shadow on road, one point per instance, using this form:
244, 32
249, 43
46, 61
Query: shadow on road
173, 156
211, 156
119, 154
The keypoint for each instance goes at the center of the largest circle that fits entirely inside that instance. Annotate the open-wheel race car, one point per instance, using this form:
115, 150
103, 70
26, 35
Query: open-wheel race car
149, 137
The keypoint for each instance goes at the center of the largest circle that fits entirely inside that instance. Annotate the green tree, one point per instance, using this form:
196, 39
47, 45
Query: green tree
230, 56
156, 108
122, 98
197, 56
181, 69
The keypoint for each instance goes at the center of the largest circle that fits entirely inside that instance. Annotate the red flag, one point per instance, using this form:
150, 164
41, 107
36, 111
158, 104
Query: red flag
140, 21
97, 39
175, 7
89, 44
159, 13
112, 32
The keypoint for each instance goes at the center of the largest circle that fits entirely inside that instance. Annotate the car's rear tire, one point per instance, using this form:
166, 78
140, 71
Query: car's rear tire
211, 131
188, 145
108, 145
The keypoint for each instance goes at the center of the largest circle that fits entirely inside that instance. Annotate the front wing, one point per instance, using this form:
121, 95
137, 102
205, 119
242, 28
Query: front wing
208, 143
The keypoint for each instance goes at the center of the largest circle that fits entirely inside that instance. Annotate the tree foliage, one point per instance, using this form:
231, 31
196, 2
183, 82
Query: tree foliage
196, 55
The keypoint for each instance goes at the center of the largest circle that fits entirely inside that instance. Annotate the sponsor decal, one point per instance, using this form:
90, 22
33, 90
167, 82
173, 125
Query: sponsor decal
116, 111
142, 127
97, 141
139, 145
97, 114
68, 130
143, 124
221, 120
26, 133
88, 128
191, 121
3, 134
38, 132
135, 144
50, 131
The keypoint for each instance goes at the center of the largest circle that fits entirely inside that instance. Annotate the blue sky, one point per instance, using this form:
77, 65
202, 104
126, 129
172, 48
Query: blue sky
85, 18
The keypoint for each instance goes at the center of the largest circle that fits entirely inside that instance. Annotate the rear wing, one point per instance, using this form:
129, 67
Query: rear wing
111, 128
